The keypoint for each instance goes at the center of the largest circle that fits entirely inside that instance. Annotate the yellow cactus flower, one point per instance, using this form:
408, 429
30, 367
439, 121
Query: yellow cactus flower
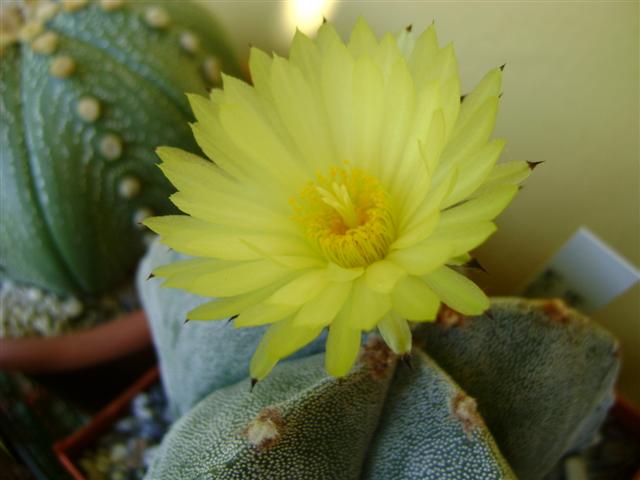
348, 183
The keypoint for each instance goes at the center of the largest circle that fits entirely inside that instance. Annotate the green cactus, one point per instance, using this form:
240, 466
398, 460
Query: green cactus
87, 91
538, 379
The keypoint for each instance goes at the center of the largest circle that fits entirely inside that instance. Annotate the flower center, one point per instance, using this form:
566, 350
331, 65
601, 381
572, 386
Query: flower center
347, 214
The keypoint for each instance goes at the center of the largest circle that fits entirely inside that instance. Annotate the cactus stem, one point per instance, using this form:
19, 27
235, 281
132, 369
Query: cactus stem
45, 43
111, 146
533, 165
73, 5
157, 17
489, 314
111, 5
88, 109
62, 66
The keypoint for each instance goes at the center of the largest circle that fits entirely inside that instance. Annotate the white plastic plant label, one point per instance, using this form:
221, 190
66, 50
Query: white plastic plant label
586, 273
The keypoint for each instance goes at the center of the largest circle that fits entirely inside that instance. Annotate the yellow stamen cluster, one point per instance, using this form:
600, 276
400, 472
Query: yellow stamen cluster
348, 216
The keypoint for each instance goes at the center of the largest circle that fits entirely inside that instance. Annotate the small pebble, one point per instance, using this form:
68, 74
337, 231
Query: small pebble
72, 307
88, 109
111, 5
73, 5
129, 187
110, 146
211, 67
45, 11
45, 43
189, 42
62, 66
30, 30
141, 215
34, 295
119, 452
157, 17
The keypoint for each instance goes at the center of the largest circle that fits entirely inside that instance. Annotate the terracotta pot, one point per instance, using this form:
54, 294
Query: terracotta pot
122, 336
68, 448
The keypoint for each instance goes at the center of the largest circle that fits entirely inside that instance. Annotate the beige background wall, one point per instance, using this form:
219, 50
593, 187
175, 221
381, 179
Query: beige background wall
570, 98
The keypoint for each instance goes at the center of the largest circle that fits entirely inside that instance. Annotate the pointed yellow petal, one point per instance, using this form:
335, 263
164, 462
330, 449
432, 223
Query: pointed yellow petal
343, 345
471, 138
382, 276
265, 151
398, 117
489, 86
305, 54
474, 171
396, 333
362, 40
321, 311
510, 173
337, 75
229, 280
423, 257
388, 54
462, 237
263, 314
423, 55
484, 207
335, 273
367, 306
299, 107
280, 340
368, 110
328, 38
187, 266
226, 307
260, 67
302, 289
414, 300
457, 291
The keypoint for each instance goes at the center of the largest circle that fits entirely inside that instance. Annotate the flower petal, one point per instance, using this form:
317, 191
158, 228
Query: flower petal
367, 306
396, 333
382, 276
227, 307
489, 86
423, 257
302, 289
343, 344
280, 340
263, 314
320, 311
462, 237
362, 40
414, 300
484, 207
457, 291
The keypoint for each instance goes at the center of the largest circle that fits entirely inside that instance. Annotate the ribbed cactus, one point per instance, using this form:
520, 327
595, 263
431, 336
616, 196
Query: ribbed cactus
503, 395
87, 91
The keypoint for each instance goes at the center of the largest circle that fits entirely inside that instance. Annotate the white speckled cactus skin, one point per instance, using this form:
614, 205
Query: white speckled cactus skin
503, 395
88, 90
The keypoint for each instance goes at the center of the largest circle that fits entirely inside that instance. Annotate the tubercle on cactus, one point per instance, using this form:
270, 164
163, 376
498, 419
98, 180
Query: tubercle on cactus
464, 408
